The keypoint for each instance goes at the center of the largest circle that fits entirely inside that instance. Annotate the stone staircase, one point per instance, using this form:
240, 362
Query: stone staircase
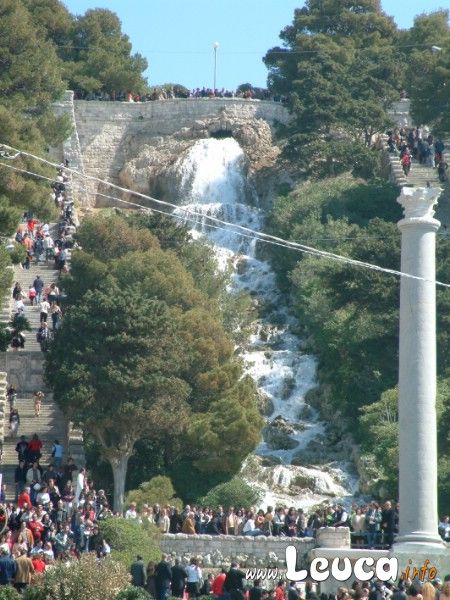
26, 277
24, 370
50, 425
419, 175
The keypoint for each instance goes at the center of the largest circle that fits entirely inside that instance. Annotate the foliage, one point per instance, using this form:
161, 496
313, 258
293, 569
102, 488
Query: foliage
159, 490
85, 578
429, 71
352, 313
140, 331
30, 79
101, 59
380, 423
339, 69
17, 253
133, 593
235, 492
128, 538
9, 593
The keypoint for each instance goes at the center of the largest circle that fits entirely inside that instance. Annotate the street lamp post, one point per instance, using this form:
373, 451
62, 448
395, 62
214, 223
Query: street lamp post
215, 46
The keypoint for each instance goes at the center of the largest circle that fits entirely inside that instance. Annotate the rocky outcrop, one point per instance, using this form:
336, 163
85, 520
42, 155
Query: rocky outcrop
277, 434
152, 170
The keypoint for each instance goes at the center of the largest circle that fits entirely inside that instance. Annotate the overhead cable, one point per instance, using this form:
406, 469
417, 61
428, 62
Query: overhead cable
254, 234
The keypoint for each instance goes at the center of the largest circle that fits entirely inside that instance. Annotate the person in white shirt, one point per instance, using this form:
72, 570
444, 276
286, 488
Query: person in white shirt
80, 485
131, 513
44, 308
164, 521
194, 576
49, 244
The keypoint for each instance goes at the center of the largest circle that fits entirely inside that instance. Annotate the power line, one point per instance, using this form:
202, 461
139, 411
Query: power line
225, 225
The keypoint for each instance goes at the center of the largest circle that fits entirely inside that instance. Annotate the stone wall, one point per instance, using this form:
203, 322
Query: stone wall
261, 551
106, 129
71, 150
25, 369
220, 550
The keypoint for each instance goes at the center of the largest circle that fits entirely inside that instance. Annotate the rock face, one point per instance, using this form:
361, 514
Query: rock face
278, 434
152, 170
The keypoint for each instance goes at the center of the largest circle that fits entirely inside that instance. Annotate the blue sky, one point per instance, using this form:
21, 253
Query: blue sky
177, 36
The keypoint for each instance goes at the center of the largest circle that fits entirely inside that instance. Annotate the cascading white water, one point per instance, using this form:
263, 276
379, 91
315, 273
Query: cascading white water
213, 182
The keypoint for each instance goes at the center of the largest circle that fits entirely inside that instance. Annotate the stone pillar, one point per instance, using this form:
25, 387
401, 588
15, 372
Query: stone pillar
417, 373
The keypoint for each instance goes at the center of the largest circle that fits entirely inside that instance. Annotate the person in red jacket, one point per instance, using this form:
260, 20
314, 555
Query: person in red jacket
217, 584
280, 590
24, 498
38, 562
36, 528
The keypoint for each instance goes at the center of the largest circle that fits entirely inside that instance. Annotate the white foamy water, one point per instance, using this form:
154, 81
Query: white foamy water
212, 182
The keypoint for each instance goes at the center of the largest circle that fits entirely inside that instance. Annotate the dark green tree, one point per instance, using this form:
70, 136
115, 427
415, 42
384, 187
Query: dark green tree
122, 358
339, 71
149, 359
102, 59
429, 70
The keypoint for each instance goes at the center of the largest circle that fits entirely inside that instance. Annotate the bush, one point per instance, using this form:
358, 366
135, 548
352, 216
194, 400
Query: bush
9, 593
84, 578
127, 538
235, 492
133, 593
159, 490
17, 254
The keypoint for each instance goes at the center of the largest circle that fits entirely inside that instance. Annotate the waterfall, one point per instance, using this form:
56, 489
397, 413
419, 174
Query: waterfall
212, 181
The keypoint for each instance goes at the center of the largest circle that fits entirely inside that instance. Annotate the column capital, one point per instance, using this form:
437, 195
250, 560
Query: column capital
418, 203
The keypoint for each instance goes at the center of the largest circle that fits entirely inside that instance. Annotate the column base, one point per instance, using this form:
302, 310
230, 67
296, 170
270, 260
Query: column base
419, 539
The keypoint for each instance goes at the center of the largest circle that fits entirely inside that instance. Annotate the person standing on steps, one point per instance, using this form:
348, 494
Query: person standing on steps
14, 422
22, 449
48, 247
17, 291
44, 308
32, 295
57, 453
38, 397
38, 285
53, 293
43, 336
56, 313
20, 478
12, 397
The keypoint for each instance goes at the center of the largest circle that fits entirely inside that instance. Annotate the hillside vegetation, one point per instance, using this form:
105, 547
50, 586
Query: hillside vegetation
341, 66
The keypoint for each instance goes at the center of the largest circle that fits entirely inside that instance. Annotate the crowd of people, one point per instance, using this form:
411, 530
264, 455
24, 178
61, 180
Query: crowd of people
371, 525
178, 91
167, 578
416, 143
55, 514
43, 246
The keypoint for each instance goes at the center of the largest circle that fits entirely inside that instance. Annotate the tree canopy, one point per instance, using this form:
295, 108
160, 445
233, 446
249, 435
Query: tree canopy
429, 70
142, 354
340, 73
352, 313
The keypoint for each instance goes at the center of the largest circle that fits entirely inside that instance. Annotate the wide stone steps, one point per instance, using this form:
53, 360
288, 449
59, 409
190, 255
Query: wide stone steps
419, 175
26, 277
50, 425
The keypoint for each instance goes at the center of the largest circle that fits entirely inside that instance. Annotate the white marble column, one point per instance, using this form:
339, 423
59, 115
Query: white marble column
417, 372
